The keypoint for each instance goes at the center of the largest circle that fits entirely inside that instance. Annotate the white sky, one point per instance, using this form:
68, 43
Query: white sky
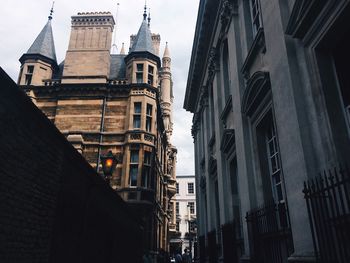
22, 20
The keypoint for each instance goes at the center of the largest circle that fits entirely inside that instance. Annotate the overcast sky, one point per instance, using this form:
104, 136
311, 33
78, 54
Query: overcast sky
22, 20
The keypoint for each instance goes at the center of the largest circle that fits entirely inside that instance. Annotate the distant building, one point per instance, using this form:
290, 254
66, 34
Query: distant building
112, 102
185, 211
269, 86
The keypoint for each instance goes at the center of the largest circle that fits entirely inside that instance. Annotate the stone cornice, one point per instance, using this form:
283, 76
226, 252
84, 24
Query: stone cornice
207, 20
212, 15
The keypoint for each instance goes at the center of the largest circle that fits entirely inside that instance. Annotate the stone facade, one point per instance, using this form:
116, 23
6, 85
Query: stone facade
269, 92
103, 102
185, 212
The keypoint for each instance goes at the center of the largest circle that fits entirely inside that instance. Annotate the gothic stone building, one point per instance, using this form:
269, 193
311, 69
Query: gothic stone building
112, 102
269, 86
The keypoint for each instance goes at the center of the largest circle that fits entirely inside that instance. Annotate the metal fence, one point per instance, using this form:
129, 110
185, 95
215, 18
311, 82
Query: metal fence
232, 242
328, 203
212, 247
269, 233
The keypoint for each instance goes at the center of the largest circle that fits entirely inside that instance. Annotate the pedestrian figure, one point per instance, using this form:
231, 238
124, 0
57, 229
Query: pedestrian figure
146, 257
178, 258
186, 256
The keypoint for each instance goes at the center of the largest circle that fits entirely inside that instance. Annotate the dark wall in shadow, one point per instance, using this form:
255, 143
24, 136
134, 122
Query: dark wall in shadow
53, 206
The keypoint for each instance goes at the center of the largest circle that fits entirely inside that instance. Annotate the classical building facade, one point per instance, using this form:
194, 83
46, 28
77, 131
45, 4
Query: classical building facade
112, 102
269, 89
185, 211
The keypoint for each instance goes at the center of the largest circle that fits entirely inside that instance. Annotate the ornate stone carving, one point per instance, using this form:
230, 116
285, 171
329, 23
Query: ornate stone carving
135, 136
194, 130
213, 63
226, 13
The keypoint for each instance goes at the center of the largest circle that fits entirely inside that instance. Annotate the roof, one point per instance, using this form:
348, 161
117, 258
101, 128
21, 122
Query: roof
143, 40
57, 74
44, 43
206, 21
117, 68
166, 51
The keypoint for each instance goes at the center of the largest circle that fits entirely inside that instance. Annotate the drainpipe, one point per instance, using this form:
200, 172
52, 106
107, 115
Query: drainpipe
101, 131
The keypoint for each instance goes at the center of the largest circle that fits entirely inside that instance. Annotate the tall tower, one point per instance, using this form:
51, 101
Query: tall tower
39, 63
167, 91
88, 55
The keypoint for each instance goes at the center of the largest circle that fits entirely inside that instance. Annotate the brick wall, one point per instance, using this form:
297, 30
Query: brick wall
53, 207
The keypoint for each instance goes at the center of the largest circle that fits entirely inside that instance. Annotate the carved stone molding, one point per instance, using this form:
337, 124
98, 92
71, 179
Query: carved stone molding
228, 140
226, 12
213, 64
203, 97
257, 46
195, 126
225, 113
304, 14
258, 86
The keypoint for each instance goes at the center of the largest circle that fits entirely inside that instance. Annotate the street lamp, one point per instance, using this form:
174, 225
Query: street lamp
109, 162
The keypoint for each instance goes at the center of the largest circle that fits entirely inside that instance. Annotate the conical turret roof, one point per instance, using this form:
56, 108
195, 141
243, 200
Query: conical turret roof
143, 40
44, 43
166, 51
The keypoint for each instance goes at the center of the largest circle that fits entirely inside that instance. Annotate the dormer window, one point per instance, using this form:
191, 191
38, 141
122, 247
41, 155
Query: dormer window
150, 75
139, 73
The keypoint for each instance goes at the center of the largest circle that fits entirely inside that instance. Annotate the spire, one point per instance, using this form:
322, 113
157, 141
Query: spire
122, 51
145, 12
44, 44
143, 39
166, 51
149, 17
51, 11
114, 48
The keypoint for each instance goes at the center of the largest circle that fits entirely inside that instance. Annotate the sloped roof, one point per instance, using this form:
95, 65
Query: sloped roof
143, 40
44, 43
117, 68
57, 74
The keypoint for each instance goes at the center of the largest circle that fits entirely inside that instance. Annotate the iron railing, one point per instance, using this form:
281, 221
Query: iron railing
269, 234
232, 242
328, 204
212, 247
202, 249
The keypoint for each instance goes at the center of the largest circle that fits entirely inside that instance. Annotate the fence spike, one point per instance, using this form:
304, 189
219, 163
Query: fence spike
306, 190
347, 174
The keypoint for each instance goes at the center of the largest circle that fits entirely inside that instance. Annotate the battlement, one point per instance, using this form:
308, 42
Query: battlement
93, 18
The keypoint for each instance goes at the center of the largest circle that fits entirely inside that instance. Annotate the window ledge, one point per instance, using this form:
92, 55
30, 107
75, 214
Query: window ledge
257, 45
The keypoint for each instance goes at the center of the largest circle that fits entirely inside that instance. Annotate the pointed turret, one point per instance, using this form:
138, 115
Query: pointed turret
143, 39
122, 51
166, 57
39, 62
166, 91
142, 58
44, 44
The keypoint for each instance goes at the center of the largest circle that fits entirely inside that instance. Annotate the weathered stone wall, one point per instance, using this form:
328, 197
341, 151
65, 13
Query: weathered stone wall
53, 207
